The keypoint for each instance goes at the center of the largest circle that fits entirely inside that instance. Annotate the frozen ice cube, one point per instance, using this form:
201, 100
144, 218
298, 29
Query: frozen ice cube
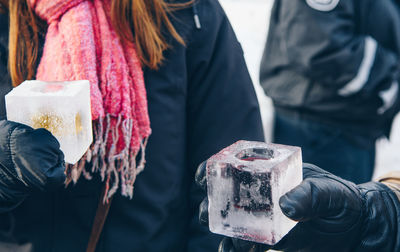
245, 182
63, 108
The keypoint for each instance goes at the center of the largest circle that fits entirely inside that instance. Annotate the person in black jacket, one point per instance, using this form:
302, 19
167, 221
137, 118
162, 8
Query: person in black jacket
200, 99
332, 71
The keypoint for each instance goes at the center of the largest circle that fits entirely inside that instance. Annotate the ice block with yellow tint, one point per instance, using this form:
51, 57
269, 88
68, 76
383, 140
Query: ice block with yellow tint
63, 108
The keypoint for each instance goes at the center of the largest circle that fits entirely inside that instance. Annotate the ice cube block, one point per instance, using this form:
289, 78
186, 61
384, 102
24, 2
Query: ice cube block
63, 108
245, 182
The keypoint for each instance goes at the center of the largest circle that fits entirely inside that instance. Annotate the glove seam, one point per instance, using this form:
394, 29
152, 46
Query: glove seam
354, 189
17, 169
10, 132
388, 201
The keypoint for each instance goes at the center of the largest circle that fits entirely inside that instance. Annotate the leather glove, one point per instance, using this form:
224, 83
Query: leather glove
30, 160
333, 215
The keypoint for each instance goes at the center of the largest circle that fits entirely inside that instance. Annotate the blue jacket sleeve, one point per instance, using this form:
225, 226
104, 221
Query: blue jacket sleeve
221, 105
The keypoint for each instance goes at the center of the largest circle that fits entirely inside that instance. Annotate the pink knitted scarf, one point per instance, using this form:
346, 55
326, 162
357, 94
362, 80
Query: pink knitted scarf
81, 44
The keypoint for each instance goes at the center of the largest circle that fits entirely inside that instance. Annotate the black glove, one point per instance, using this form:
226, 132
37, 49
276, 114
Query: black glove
333, 214
30, 160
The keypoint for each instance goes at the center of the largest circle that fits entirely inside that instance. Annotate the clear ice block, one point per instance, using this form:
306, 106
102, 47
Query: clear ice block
245, 182
63, 108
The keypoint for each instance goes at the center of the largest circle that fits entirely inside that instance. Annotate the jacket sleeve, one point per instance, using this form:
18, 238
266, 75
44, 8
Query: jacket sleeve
221, 106
339, 48
392, 180
30, 160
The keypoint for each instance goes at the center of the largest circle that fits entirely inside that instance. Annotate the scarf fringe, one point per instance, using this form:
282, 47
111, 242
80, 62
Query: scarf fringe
116, 169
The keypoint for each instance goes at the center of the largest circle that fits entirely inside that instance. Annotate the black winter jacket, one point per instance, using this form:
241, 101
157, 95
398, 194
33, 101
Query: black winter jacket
200, 100
335, 61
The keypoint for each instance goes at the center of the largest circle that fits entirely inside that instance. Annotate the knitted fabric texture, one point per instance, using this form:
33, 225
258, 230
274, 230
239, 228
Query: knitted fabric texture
81, 44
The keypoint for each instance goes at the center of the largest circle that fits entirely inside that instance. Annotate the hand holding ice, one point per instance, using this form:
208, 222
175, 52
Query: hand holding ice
245, 182
63, 108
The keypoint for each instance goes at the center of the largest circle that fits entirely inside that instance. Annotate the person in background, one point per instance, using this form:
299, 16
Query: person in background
333, 215
168, 74
332, 70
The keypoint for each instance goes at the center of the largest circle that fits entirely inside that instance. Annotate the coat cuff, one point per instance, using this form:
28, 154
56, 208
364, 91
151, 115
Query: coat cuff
392, 180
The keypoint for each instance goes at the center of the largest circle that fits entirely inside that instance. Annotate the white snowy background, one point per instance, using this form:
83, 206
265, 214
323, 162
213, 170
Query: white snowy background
249, 19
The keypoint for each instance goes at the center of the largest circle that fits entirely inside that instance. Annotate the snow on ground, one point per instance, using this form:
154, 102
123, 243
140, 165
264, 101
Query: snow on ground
249, 19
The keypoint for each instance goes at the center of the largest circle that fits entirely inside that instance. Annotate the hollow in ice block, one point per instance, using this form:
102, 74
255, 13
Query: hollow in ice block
245, 182
63, 108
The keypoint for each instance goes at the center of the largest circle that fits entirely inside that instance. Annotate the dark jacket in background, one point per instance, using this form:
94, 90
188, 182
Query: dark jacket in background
335, 62
200, 100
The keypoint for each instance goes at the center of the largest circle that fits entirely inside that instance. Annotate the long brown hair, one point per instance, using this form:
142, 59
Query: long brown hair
146, 18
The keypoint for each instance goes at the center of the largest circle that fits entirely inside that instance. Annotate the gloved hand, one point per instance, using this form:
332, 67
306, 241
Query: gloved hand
333, 214
30, 160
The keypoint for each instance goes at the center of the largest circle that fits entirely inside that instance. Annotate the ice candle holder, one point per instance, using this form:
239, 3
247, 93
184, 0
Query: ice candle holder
244, 183
63, 108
